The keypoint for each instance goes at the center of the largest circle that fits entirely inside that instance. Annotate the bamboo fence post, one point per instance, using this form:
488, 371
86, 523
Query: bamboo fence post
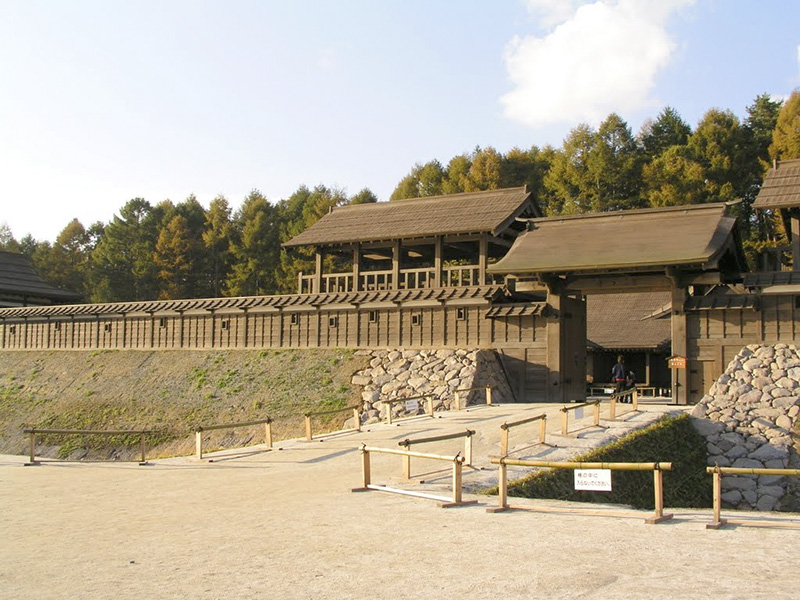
430, 406
717, 523
502, 488
564, 421
597, 412
357, 418
457, 400
504, 440
365, 466
543, 429
488, 395
309, 437
457, 479
144, 458
198, 444
635, 399
612, 408
268, 434
33, 446
388, 413
468, 448
658, 487
407, 466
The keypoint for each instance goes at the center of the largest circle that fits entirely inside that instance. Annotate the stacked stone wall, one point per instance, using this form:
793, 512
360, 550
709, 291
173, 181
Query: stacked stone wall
748, 419
405, 373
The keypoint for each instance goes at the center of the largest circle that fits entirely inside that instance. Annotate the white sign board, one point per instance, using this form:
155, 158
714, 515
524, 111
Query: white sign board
412, 405
593, 480
578, 413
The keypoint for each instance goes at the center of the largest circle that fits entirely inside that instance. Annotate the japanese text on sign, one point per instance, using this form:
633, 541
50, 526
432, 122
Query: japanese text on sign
593, 480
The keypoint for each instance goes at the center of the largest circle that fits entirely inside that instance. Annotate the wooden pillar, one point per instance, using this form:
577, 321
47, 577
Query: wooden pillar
180, 338
246, 329
647, 357
795, 227
356, 287
395, 265
554, 334
437, 262
680, 346
483, 253
318, 256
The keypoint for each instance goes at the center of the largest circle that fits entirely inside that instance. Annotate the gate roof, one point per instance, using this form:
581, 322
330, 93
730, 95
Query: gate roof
651, 239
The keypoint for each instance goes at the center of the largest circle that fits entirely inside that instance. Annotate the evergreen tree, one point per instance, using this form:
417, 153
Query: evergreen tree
786, 137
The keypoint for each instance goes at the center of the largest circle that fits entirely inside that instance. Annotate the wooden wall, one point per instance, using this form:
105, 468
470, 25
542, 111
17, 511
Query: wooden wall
408, 326
716, 336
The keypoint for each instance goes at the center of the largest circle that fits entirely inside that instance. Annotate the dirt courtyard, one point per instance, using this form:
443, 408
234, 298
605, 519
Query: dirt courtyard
284, 524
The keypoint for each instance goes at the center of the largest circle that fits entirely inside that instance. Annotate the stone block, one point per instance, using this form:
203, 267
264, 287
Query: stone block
768, 452
748, 463
736, 482
776, 491
766, 503
706, 427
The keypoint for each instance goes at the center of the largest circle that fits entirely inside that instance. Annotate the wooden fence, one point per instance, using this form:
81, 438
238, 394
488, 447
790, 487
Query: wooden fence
407, 443
505, 427
444, 502
717, 483
34, 432
633, 399
390, 401
308, 415
198, 433
457, 397
658, 485
567, 409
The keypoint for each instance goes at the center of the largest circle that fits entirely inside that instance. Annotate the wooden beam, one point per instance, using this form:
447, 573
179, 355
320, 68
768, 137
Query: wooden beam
680, 346
483, 252
554, 332
356, 268
795, 227
616, 284
437, 262
395, 265
318, 255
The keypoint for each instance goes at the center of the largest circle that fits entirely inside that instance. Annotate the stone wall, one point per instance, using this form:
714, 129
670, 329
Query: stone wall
405, 373
747, 418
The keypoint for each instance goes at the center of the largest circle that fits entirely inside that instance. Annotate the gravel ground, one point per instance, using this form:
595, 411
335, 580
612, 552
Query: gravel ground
284, 524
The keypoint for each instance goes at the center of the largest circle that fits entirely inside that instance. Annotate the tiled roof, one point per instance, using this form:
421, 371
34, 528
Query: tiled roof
17, 277
781, 187
289, 301
476, 212
694, 235
770, 278
622, 321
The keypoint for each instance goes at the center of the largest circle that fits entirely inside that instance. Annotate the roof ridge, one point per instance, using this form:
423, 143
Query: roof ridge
422, 199
633, 212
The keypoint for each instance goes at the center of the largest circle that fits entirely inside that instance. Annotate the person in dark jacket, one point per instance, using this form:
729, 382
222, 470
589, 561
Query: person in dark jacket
618, 375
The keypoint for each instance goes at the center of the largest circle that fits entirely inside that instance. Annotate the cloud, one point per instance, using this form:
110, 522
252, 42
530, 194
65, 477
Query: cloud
595, 59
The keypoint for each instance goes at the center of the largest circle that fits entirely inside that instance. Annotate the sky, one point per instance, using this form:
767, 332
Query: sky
105, 101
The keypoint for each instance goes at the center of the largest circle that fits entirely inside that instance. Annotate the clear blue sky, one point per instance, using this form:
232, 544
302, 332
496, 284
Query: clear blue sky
104, 101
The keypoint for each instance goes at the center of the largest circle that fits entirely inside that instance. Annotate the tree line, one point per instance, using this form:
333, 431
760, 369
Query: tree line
184, 250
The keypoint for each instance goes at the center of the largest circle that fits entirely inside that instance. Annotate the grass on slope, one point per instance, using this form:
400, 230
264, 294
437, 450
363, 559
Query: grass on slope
170, 393
671, 439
